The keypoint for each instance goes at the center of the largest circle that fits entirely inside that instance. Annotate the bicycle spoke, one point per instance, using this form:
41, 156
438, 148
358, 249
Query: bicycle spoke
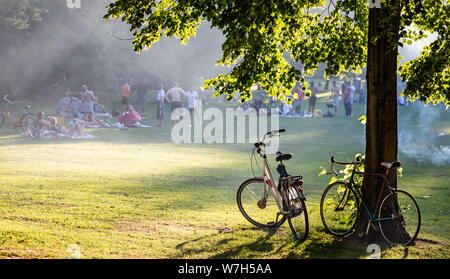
339, 209
249, 195
403, 218
298, 215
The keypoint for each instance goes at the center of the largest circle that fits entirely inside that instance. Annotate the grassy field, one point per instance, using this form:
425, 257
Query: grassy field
135, 194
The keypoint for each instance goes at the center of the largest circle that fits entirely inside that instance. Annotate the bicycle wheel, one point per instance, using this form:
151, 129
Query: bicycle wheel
2, 120
339, 209
298, 215
27, 120
251, 204
404, 212
30, 124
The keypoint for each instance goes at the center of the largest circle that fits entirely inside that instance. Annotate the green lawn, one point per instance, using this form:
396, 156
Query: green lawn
135, 194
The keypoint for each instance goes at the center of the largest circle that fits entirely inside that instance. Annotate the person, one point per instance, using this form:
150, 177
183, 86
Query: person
343, 90
130, 117
335, 97
76, 130
126, 93
346, 97
312, 99
357, 84
141, 98
286, 109
192, 97
175, 96
352, 98
300, 97
87, 104
160, 106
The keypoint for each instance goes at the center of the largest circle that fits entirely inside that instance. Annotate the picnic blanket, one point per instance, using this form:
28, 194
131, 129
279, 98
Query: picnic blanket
46, 134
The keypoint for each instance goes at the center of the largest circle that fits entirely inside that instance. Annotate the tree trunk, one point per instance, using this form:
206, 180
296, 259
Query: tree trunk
381, 125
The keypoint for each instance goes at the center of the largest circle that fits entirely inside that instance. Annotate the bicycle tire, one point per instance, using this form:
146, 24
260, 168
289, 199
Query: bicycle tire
30, 123
299, 228
249, 193
407, 221
23, 124
2, 120
335, 223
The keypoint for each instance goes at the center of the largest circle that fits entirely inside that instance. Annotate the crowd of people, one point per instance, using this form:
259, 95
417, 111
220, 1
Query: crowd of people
345, 95
176, 97
89, 107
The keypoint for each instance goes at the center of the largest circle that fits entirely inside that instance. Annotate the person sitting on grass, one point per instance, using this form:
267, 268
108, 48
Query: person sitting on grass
50, 125
129, 117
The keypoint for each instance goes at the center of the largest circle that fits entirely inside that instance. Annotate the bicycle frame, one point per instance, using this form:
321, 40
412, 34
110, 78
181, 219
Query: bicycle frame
5, 111
351, 184
270, 183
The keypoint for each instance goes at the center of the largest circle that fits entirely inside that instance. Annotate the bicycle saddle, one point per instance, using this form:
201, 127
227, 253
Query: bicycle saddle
394, 164
283, 157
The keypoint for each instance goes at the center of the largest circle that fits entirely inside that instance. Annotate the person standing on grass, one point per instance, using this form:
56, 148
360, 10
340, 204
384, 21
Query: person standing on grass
335, 97
87, 104
192, 97
141, 98
312, 98
160, 97
347, 98
352, 98
175, 96
126, 93
299, 98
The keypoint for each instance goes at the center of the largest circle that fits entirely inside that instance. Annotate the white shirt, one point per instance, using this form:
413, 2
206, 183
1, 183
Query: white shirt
192, 96
352, 91
286, 109
161, 95
335, 92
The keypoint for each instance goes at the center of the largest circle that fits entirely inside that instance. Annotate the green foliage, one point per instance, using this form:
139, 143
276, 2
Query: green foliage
19, 13
428, 76
260, 33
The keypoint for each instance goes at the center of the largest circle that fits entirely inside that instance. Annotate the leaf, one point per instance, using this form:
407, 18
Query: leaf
332, 180
324, 171
363, 119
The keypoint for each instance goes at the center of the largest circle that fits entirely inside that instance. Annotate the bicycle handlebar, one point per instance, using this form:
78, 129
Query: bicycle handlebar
5, 98
270, 133
275, 132
333, 161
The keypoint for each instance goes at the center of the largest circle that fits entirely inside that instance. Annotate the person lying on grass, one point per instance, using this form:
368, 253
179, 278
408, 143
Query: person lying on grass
50, 125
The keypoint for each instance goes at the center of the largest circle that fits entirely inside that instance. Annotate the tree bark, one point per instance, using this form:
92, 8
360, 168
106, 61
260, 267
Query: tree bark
381, 124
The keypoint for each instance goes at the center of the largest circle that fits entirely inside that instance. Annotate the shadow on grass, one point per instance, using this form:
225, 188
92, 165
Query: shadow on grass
261, 244
316, 246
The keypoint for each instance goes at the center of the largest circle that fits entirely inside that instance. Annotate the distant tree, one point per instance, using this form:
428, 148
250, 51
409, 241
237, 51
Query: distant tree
346, 35
19, 14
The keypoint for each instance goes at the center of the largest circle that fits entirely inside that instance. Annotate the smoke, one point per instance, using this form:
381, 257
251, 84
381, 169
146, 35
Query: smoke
71, 47
418, 137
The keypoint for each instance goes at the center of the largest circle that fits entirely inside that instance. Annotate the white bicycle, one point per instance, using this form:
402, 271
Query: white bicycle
262, 200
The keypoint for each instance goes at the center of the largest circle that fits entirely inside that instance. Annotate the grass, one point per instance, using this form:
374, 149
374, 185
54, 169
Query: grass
135, 194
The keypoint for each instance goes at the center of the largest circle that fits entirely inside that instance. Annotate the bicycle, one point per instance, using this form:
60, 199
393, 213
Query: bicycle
27, 122
262, 200
397, 216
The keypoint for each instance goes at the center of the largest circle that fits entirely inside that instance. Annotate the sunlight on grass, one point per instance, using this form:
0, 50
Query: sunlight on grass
134, 194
